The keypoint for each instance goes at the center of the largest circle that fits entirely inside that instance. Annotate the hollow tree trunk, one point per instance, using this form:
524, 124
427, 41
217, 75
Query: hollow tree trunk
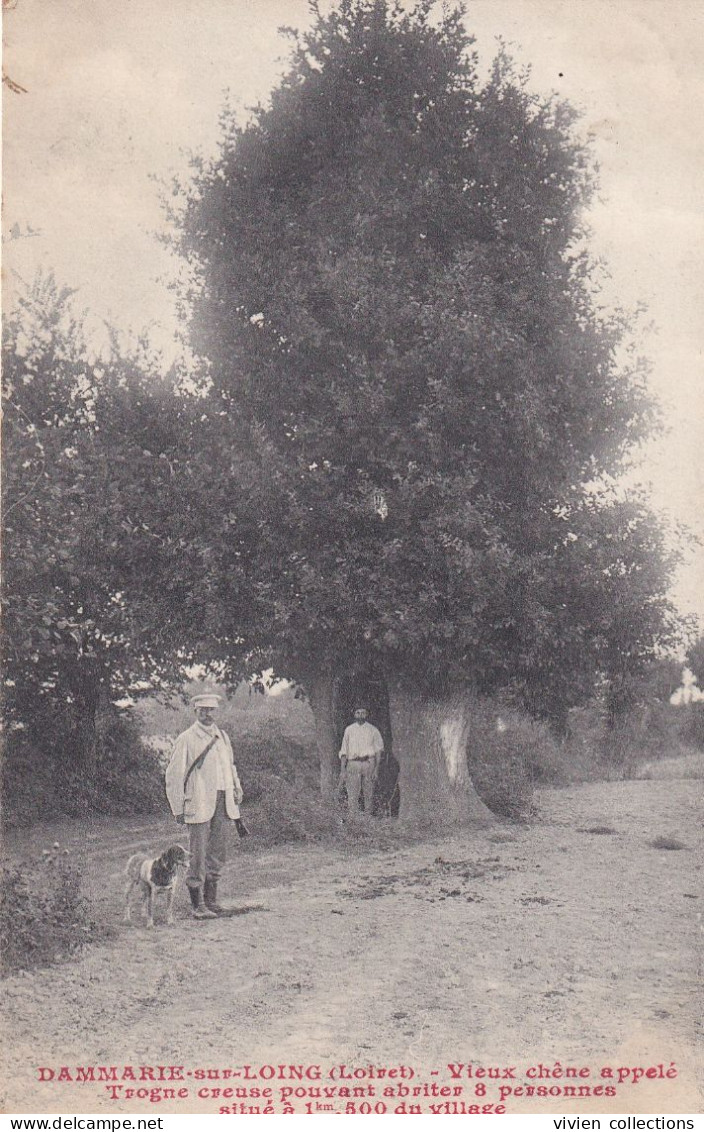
430, 743
322, 701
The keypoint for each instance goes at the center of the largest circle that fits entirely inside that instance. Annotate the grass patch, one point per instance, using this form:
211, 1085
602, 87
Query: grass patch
666, 843
689, 765
604, 829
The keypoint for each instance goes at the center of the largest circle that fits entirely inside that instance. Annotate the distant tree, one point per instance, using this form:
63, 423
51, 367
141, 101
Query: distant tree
404, 331
695, 660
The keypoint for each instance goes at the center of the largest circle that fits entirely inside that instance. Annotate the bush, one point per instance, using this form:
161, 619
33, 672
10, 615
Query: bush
498, 757
509, 753
43, 917
692, 725
647, 732
28, 783
268, 753
124, 776
583, 750
292, 811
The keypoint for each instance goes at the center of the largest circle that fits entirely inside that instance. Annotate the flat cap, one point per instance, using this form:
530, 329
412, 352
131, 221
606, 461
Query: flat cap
208, 699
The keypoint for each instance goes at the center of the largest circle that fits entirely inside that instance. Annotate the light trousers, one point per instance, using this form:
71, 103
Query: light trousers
360, 779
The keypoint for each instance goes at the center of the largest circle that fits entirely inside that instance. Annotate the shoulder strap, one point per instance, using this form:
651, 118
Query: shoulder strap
198, 762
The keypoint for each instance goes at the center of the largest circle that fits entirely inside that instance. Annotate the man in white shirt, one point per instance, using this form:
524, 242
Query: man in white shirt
204, 791
360, 756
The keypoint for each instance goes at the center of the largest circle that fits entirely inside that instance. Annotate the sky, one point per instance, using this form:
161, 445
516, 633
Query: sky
117, 96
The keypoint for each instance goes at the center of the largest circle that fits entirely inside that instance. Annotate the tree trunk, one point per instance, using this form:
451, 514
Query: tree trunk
321, 690
86, 688
430, 743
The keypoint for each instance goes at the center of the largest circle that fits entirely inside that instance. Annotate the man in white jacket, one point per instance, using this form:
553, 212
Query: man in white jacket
204, 791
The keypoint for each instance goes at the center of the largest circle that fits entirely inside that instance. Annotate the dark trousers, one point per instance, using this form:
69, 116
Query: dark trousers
208, 845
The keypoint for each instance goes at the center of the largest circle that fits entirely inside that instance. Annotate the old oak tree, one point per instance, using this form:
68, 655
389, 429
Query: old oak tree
406, 348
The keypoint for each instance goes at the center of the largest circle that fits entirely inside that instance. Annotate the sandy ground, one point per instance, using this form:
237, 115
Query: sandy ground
510, 949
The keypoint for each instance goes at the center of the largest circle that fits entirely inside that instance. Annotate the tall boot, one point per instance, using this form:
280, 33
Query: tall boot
210, 897
198, 908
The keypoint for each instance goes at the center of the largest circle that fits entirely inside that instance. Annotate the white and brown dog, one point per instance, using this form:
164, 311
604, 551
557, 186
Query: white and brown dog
151, 876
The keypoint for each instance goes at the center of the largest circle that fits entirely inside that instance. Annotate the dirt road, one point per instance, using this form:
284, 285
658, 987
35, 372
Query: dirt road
507, 949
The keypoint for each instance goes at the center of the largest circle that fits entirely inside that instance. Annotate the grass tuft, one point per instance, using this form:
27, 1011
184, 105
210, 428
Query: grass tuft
666, 843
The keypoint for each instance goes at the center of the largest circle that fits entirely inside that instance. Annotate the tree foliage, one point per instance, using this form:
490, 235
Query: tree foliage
106, 584
403, 329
